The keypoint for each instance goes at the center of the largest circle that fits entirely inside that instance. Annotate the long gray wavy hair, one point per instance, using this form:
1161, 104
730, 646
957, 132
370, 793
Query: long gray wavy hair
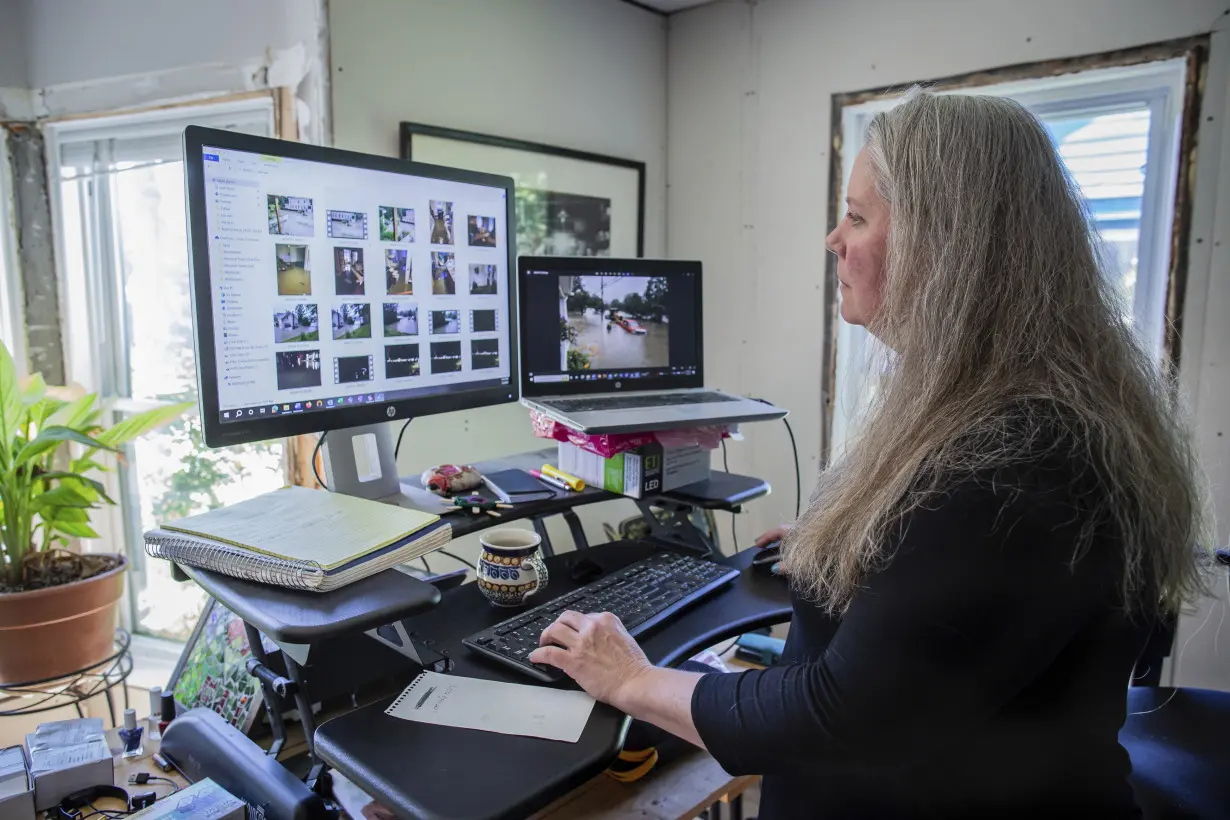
994, 299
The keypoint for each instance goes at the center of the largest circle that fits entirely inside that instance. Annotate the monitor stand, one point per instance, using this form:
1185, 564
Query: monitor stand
359, 461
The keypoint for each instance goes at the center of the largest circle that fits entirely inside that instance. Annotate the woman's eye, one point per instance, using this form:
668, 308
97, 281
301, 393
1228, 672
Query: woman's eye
853, 217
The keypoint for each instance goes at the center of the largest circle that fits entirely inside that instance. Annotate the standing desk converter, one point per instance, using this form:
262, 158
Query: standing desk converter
425, 771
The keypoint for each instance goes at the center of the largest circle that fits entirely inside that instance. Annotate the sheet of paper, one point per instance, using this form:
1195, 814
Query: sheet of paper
299, 524
490, 706
66, 757
66, 732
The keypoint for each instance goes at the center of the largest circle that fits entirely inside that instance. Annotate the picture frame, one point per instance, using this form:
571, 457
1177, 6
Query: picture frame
569, 202
211, 670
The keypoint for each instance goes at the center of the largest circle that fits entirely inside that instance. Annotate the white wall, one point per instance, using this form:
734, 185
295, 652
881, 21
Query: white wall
585, 74
14, 72
749, 91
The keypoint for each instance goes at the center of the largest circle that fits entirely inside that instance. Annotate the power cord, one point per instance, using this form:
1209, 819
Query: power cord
397, 447
794, 449
141, 778
316, 450
734, 536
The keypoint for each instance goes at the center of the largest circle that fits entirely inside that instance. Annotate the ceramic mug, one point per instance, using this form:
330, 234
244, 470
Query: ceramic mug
510, 567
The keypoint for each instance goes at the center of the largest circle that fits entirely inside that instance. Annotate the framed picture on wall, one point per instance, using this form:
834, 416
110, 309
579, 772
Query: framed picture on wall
569, 203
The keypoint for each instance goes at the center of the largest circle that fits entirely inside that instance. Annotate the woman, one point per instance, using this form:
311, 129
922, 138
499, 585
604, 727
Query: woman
1018, 509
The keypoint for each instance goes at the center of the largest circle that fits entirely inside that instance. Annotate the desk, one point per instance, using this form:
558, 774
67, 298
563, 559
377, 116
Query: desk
424, 771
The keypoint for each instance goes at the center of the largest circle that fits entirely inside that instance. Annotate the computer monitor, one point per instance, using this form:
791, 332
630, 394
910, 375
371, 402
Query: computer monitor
333, 289
632, 322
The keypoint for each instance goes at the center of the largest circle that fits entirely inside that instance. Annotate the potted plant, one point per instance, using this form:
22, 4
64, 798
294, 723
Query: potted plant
57, 607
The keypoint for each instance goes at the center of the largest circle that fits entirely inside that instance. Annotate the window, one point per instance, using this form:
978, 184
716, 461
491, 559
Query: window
122, 249
12, 322
1117, 130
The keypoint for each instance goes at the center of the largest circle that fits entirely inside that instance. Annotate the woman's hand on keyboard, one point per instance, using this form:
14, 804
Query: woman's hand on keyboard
594, 650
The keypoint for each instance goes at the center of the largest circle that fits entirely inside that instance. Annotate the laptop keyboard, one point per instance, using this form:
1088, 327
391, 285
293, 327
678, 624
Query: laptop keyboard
636, 402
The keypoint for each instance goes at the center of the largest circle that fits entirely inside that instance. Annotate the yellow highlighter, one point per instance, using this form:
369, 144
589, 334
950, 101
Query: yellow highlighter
572, 481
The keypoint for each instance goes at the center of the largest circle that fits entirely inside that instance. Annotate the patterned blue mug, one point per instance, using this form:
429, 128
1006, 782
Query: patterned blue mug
510, 567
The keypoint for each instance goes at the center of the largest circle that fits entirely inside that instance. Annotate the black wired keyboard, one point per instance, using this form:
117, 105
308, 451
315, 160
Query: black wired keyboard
642, 595
637, 402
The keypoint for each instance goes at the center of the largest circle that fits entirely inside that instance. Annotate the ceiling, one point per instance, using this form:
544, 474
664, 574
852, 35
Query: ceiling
671, 6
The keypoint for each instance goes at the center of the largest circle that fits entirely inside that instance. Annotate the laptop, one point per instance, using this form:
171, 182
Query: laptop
616, 346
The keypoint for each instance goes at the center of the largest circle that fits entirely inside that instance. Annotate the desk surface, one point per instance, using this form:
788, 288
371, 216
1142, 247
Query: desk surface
298, 617
416, 769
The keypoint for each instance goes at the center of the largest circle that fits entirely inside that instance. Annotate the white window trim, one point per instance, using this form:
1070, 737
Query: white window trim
12, 300
86, 362
1160, 84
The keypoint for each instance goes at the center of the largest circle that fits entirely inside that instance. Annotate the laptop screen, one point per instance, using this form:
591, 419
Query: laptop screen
601, 325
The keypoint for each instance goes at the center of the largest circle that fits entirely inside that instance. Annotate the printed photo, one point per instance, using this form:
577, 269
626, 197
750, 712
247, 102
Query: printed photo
482, 280
482, 321
352, 321
300, 323
445, 321
441, 222
348, 271
290, 215
347, 224
399, 280
401, 319
616, 323
298, 368
446, 357
442, 266
351, 369
396, 224
401, 361
484, 353
294, 270
482, 231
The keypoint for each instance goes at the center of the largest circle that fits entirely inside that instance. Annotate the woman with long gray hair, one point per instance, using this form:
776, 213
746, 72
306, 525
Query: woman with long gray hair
974, 580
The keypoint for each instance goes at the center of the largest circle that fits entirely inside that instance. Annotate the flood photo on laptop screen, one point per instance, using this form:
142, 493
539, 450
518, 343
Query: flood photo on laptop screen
615, 322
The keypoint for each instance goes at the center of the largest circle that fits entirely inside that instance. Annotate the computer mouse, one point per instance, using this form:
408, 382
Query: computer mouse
767, 558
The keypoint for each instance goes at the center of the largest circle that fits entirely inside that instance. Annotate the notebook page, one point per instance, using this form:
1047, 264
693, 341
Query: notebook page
491, 706
299, 524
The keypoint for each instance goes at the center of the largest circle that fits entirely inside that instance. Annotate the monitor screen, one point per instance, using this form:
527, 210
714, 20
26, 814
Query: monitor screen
623, 324
333, 289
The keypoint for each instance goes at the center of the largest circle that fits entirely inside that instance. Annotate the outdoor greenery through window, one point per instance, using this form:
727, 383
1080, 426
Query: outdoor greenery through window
124, 240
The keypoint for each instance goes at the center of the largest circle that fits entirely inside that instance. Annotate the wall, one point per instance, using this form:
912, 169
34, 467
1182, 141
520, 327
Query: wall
14, 72
586, 74
749, 91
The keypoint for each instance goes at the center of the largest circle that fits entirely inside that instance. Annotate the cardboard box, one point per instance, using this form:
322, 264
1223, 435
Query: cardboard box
640, 473
61, 770
203, 800
16, 786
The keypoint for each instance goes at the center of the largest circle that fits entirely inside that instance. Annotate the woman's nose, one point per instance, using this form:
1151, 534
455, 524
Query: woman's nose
833, 241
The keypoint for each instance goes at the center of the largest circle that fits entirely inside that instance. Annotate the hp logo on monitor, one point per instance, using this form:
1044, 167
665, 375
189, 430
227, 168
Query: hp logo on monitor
390, 412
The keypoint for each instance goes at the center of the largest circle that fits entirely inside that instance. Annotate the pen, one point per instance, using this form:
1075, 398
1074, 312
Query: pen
550, 479
572, 481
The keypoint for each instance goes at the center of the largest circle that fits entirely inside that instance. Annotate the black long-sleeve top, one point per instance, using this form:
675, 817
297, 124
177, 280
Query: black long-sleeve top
981, 673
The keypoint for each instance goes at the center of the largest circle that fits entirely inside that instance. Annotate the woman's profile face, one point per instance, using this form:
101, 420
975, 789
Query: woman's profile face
860, 242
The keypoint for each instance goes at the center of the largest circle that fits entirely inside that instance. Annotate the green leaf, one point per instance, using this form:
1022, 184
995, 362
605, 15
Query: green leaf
33, 389
76, 529
49, 437
140, 424
73, 414
60, 497
10, 395
68, 515
84, 485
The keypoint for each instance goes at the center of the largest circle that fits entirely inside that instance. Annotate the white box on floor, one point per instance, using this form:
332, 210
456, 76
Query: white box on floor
204, 799
16, 787
639, 473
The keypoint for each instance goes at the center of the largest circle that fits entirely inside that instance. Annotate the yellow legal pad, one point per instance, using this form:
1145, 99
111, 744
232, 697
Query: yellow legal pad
298, 524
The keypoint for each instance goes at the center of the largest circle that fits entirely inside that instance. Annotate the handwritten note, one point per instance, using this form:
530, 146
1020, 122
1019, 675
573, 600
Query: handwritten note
491, 706
296, 523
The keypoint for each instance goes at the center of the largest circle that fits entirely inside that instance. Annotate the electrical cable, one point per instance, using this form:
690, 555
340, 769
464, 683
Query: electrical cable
397, 447
173, 784
461, 560
734, 536
794, 449
316, 450
427, 566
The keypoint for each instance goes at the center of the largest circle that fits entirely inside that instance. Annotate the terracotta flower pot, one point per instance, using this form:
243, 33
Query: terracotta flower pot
49, 632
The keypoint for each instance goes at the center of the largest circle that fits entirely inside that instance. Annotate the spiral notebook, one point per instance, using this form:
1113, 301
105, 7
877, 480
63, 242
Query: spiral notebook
300, 538
492, 706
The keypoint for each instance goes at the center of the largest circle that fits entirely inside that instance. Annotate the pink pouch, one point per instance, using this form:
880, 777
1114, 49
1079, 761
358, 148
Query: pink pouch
611, 444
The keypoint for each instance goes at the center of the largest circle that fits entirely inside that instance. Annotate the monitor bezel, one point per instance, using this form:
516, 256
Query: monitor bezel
587, 265
219, 434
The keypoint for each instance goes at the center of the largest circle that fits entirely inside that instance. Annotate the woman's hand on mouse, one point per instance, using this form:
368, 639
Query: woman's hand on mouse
595, 651
775, 534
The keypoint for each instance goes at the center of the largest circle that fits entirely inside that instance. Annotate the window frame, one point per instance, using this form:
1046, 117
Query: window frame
95, 357
1167, 77
12, 299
